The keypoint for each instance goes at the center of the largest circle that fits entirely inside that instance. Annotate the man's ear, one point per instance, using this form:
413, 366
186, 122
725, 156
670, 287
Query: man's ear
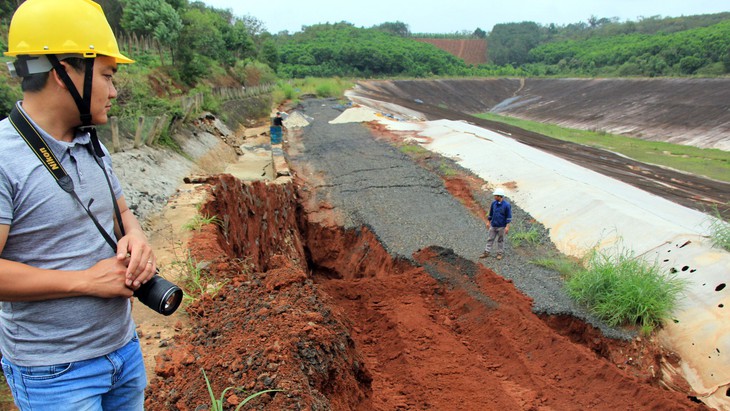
56, 79
72, 73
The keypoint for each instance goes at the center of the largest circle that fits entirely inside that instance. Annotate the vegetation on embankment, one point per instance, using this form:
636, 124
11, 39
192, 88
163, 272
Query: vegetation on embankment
602, 47
712, 163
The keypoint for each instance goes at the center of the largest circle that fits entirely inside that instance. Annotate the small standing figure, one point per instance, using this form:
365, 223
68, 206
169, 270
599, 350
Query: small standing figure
500, 215
276, 129
278, 120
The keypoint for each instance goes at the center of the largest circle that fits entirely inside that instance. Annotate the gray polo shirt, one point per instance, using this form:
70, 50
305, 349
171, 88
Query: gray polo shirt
49, 229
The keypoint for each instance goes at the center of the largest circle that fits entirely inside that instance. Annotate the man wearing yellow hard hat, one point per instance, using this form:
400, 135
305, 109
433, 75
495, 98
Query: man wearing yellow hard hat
67, 337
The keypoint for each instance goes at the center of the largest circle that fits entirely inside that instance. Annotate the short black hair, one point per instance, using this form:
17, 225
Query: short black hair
36, 82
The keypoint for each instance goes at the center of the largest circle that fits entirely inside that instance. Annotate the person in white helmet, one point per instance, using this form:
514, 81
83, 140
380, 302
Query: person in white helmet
67, 336
498, 220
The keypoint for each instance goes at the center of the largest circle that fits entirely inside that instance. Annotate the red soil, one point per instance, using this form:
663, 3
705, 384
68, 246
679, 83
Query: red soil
472, 51
365, 332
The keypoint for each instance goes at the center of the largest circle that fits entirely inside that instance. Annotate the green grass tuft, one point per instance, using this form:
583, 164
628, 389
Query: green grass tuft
414, 150
521, 234
564, 265
216, 404
623, 290
719, 231
196, 223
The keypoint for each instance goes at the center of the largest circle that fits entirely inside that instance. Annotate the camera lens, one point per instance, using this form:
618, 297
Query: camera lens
171, 301
160, 295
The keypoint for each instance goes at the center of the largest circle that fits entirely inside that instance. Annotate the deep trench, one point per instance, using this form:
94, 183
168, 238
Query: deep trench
345, 325
383, 312
451, 271
577, 330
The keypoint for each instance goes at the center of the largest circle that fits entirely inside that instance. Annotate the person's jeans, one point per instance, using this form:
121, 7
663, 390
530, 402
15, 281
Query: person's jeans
115, 381
498, 234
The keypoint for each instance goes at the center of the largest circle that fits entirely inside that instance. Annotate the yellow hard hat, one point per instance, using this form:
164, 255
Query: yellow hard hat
41, 27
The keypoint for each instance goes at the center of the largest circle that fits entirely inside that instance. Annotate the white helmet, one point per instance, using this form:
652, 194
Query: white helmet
499, 192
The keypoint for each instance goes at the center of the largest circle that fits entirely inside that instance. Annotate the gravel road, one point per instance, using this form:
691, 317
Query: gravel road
373, 184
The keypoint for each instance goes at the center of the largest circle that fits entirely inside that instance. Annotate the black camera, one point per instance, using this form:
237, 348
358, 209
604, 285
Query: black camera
160, 295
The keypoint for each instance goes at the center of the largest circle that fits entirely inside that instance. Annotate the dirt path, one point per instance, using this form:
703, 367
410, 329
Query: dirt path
170, 241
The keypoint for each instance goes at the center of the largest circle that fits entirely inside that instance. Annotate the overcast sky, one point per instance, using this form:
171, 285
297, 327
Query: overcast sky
449, 16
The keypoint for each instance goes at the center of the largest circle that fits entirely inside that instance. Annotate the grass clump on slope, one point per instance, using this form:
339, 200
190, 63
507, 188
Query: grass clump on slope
624, 290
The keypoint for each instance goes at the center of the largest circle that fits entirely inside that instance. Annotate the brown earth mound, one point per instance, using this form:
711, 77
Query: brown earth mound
362, 331
472, 51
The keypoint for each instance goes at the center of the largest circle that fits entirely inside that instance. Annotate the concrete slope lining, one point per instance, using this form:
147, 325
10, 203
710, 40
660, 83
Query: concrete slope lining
686, 189
688, 111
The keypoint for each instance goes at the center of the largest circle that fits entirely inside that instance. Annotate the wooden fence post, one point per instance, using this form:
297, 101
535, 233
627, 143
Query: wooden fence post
114, 125
138, 133
157, 128
153, 129
163, 126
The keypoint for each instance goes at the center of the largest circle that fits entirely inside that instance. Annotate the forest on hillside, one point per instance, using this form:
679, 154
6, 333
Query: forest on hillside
196, 46
679, 46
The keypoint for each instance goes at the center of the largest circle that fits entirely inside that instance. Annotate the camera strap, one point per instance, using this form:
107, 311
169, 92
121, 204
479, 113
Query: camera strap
44, 153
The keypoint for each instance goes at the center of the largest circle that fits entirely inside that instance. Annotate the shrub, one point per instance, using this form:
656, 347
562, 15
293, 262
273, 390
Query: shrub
253, 73
521, 233
624, 290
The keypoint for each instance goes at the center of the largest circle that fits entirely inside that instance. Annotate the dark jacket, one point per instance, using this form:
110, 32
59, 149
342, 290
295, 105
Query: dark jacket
500, 213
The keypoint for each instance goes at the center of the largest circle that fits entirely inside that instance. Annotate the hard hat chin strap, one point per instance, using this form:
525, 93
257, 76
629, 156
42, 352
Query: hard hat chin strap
83, 103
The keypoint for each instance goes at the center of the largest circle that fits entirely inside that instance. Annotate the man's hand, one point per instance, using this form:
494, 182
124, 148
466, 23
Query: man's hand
106, 279
134, 250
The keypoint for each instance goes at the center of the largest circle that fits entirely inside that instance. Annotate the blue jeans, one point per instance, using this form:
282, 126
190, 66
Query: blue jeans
115, 381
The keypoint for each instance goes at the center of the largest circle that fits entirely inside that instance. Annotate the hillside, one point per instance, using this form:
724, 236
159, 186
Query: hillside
472, 51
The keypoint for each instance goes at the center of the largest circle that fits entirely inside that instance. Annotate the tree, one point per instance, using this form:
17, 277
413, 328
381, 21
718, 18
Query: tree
177, 4
155, 18
270, 54
7, 8
479, 33
255, 26
238, 42
511, 43
690, 64
397, 28
201, 41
